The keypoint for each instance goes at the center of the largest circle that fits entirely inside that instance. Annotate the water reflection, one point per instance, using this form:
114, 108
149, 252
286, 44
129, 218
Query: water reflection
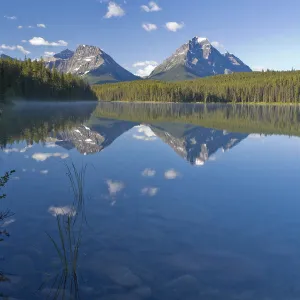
70, 228
5, 220
196, 144
34, 122
90, 130
155, 226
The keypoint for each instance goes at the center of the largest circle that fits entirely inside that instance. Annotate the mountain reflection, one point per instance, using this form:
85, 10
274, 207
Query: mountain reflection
193, 143
194, 132
35, 122
93, 137
196, 144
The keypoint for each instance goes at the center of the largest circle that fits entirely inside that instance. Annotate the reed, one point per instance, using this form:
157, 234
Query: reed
70, 227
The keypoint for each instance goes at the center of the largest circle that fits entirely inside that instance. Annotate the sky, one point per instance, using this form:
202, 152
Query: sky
139, 34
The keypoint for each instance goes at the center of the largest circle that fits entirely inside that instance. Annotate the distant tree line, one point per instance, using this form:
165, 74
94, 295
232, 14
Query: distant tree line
255, 87
32, 80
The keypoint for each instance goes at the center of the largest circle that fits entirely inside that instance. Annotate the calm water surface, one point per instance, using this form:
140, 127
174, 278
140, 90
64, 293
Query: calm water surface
181, 202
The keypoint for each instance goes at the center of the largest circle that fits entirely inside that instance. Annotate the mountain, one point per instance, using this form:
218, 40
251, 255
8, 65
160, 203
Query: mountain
194, 143
91, 63
197, 58
65, 54
4, 56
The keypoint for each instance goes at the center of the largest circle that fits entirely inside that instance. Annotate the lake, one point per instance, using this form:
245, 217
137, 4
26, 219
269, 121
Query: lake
150, 201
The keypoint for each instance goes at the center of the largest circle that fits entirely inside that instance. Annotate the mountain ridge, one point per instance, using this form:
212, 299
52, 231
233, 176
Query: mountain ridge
4, 56
90, 62
197, 58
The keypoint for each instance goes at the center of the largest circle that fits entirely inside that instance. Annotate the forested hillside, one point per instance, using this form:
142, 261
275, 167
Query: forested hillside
32, 80
256, 87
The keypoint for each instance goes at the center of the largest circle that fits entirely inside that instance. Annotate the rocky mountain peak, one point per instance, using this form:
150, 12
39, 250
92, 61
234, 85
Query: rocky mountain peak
90, 62
86, 49
197, 58
65, 54
234, 60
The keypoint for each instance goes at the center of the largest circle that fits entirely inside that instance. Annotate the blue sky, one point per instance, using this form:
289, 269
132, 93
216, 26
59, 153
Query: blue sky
263, 33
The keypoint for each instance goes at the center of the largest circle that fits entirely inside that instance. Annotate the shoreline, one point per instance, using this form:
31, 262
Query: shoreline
207, 103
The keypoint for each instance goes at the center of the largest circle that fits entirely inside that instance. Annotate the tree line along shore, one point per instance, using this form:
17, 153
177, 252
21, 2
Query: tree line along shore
32, 80
255, 87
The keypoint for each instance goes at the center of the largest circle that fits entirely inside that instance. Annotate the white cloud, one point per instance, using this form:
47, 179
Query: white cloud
151, 7
256, 136
49, 54
10, 17
10, 150
39, 41
45, 156
30, 26
20, 27
41, 25
44, 172
149, 191
24, 41
149, 27
145, 133
50, 145
13, 48
114, 187
114, 10
146, 71
171, 174
24, 51
219, 46
147, 67
22, 150
148, 173
174, 26
6, 47
144, 63
61, 211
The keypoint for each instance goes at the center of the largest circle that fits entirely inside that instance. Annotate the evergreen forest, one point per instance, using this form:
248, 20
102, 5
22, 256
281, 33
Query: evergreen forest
32, 80
255, 87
